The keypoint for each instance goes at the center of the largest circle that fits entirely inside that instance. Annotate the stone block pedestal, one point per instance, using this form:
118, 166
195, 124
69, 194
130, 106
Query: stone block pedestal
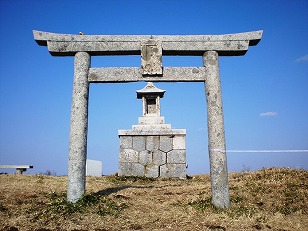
160, 153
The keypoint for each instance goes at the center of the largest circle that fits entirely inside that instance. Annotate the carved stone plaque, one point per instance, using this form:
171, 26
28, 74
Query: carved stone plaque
151, 57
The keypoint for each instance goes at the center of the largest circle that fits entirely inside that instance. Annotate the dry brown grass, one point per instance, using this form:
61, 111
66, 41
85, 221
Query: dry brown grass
268, 199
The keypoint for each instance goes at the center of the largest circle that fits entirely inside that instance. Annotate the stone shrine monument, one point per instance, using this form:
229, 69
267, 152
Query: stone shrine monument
151, 48
152, 148
94, 168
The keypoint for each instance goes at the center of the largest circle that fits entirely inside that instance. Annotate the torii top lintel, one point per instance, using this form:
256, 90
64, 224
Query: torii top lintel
188, 45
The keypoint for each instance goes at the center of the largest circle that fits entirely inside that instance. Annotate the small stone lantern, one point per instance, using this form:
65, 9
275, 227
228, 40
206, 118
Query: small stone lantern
150, 96
151, 118
152, 148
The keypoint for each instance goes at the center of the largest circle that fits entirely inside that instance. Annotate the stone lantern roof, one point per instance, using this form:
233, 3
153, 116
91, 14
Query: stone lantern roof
150, 90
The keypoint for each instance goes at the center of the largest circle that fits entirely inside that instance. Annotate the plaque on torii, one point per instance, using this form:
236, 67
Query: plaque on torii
151, 48
151, 58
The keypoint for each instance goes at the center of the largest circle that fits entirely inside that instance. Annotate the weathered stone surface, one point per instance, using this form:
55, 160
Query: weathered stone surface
152, 127
166, 143
126, 142
172, 132
159, 157
94, 168
42, 37
145, 157
79, 127
93, 48
151, 57
173, 171
128, 155
176, 157
152, 143
134, 74
133, 48
149, 120
216, 132
170, 48
151, 171
179, 142
223, 47
139, 143
228, 44
150, 90
130, 169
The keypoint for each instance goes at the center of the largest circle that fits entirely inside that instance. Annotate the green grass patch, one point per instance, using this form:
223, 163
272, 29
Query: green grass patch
130, 179
91, 203
205, 205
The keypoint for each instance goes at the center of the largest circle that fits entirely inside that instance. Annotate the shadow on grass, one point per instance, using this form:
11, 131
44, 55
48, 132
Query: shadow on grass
108, 191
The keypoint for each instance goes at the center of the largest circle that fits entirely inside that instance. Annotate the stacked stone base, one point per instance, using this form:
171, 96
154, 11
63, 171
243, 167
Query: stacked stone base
153, 153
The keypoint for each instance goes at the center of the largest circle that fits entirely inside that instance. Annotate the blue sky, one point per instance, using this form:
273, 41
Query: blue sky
265, 92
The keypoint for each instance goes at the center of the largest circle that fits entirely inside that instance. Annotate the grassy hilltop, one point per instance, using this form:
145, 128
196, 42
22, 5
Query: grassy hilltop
268, 199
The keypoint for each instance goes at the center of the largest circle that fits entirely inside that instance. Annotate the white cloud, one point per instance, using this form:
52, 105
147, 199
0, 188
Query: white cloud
268, 114
201, 129
302, 59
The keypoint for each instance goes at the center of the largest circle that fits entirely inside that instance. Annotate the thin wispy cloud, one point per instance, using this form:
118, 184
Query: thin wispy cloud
268, 114
302, 59
201, 129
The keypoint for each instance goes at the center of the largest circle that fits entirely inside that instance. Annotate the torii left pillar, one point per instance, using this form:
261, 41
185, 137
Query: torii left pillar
79, 128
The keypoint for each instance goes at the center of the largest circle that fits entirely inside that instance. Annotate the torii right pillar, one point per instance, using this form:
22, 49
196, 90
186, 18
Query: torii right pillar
216, 132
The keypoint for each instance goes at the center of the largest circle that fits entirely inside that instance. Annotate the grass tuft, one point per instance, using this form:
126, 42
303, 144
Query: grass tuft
88, 203
2, 208
202, 204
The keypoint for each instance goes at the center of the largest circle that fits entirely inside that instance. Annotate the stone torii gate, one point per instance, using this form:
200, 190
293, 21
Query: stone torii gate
151, 49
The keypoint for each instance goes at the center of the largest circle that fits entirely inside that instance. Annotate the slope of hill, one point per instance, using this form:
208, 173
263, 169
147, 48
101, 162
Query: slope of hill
268, 199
